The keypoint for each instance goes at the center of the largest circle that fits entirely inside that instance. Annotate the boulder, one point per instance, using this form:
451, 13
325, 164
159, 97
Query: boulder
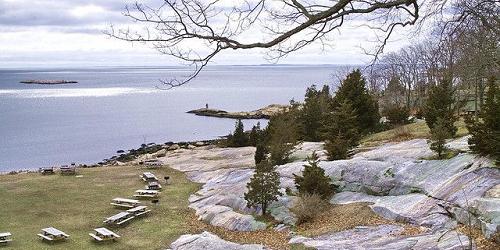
174, 147
210, 241
383, 237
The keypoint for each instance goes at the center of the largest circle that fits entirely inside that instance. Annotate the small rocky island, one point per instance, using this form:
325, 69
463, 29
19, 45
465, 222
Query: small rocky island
262, 113
48, 82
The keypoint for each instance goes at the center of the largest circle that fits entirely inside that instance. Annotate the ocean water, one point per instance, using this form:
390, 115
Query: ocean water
120, 108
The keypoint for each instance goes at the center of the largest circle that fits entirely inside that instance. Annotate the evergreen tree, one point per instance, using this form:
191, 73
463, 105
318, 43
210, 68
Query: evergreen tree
260, 153
282, 131
239, 138
314, 180
393, 103
312, 112
263, 187
441, 104
337, 148
485, 132
253, 138
353, 89
341, 131
439, 133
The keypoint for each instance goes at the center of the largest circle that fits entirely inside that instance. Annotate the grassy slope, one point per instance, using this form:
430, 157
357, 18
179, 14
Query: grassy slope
406, 132
76, 206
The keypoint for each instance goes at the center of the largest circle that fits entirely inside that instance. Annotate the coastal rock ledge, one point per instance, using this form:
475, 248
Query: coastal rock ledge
262, 113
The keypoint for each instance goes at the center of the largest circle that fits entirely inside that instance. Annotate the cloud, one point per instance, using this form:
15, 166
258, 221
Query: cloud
66, 32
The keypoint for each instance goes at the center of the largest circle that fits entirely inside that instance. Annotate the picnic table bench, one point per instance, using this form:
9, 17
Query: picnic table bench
119, 218
154, 185
104, 234
146, 193
52, 234
5, 238
138, 211
148, 176
125, 203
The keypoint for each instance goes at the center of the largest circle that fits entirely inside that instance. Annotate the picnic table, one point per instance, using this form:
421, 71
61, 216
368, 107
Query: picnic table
104, 234
53, 234
119, 218
5, 238
152, 163
146, 193
138, 211
154, 185
148, 176
69, 170
47, 170
125, 203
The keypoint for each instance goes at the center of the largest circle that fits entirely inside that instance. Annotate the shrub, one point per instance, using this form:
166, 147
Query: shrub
314, 180
307, 207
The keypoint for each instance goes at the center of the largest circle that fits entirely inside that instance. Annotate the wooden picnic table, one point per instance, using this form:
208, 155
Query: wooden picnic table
53, 234
68, 169
148, 176
104, 234
47, 170
125, 203
146, 193
119, 218
5, 237
153, 186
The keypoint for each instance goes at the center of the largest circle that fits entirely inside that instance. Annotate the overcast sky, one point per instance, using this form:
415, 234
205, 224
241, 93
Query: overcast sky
46, 33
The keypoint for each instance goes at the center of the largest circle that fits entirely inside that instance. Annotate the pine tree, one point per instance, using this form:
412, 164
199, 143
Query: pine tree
282, 131
263, 187
341, 131
441, 104
353, 89
312, 112
314, 180
260, 153
439, 133
254, 136
239, 138
485, 132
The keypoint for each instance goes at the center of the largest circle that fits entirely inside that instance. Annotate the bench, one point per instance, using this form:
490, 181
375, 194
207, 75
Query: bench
97, 238
44, 237
5, 241
122, 205
123, 221
141, 213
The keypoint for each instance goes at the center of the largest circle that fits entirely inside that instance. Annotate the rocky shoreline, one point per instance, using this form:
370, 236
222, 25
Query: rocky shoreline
47, 82
262, 113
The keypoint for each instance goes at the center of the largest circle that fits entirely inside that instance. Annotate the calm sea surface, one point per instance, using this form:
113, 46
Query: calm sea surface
120, 108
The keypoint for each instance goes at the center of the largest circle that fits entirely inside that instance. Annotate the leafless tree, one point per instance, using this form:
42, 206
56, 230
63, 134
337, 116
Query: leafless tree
195, 31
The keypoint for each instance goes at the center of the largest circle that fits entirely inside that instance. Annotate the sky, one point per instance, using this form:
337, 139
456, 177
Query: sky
56, 33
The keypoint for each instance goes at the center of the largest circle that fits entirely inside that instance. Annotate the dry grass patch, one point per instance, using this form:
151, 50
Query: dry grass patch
269, 237
478, 238
338, 218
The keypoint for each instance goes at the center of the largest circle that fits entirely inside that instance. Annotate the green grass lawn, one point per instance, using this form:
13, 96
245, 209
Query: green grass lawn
30, 202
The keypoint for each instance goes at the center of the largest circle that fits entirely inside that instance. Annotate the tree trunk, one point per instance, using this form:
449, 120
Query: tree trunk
264, 208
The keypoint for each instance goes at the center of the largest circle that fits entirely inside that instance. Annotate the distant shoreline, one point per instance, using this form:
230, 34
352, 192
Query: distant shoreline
48, 82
